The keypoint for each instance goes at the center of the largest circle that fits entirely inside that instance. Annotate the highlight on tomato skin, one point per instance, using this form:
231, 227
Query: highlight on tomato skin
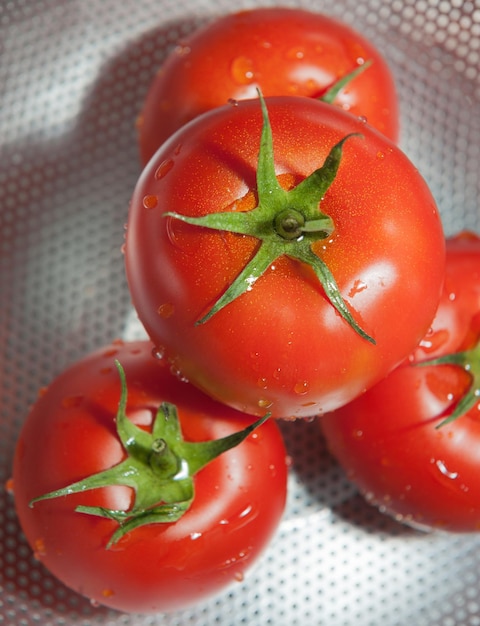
405, 443
279, 50
283, 344
71, 434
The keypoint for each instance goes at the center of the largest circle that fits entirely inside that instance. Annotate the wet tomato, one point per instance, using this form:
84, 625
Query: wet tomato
270, 247
412, 442
282, 51
120, 519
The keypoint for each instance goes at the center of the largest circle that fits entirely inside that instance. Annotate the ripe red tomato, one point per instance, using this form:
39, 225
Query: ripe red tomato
282, 51
70, 434
281, 345
389, 440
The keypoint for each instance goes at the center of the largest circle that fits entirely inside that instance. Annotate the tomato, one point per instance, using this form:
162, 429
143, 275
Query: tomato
282, 51
70, 434
284, 343
391, 440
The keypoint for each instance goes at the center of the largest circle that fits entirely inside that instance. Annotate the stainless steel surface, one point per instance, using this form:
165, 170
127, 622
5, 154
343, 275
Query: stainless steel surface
72, 77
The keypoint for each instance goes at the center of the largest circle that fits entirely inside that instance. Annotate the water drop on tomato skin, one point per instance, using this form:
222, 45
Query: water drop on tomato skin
166, 310
358, 287
444, 471
301, 387
158, 352
296, 53
177, 372
150, 201
264, 404
72, 401
242, 71
39, 550
433, 341
163, 169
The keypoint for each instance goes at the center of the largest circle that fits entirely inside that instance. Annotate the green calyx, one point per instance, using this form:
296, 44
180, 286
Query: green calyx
469, 360
159, 467
330, 95
287, 222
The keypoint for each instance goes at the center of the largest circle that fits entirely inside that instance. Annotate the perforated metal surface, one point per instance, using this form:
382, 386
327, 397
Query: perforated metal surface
73, 74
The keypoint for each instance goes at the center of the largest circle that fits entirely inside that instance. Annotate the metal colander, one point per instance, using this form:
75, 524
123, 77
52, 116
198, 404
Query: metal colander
73, 74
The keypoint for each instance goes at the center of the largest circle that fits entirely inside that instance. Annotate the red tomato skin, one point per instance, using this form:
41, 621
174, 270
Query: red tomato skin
282, 51
282, 346
386, 439
70, 434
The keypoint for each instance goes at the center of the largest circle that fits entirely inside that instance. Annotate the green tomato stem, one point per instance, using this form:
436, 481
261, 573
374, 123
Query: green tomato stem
468, 360
333, 91
159, 467
286, 223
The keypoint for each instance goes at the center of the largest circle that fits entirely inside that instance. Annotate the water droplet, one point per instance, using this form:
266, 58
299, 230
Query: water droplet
107, 593
110, 352
262, 383
94, 603
72, 401
434, 340
296, 53
177, 372
233, 102
362, 119
194, 536
264, 403
380, 155
9, 486
239, 576
452, 296
166, 310
162, 170
158, 352
358, 287
357, 434
242, 70
301, 387
150, 201
39, 549
277, 373
444, 471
